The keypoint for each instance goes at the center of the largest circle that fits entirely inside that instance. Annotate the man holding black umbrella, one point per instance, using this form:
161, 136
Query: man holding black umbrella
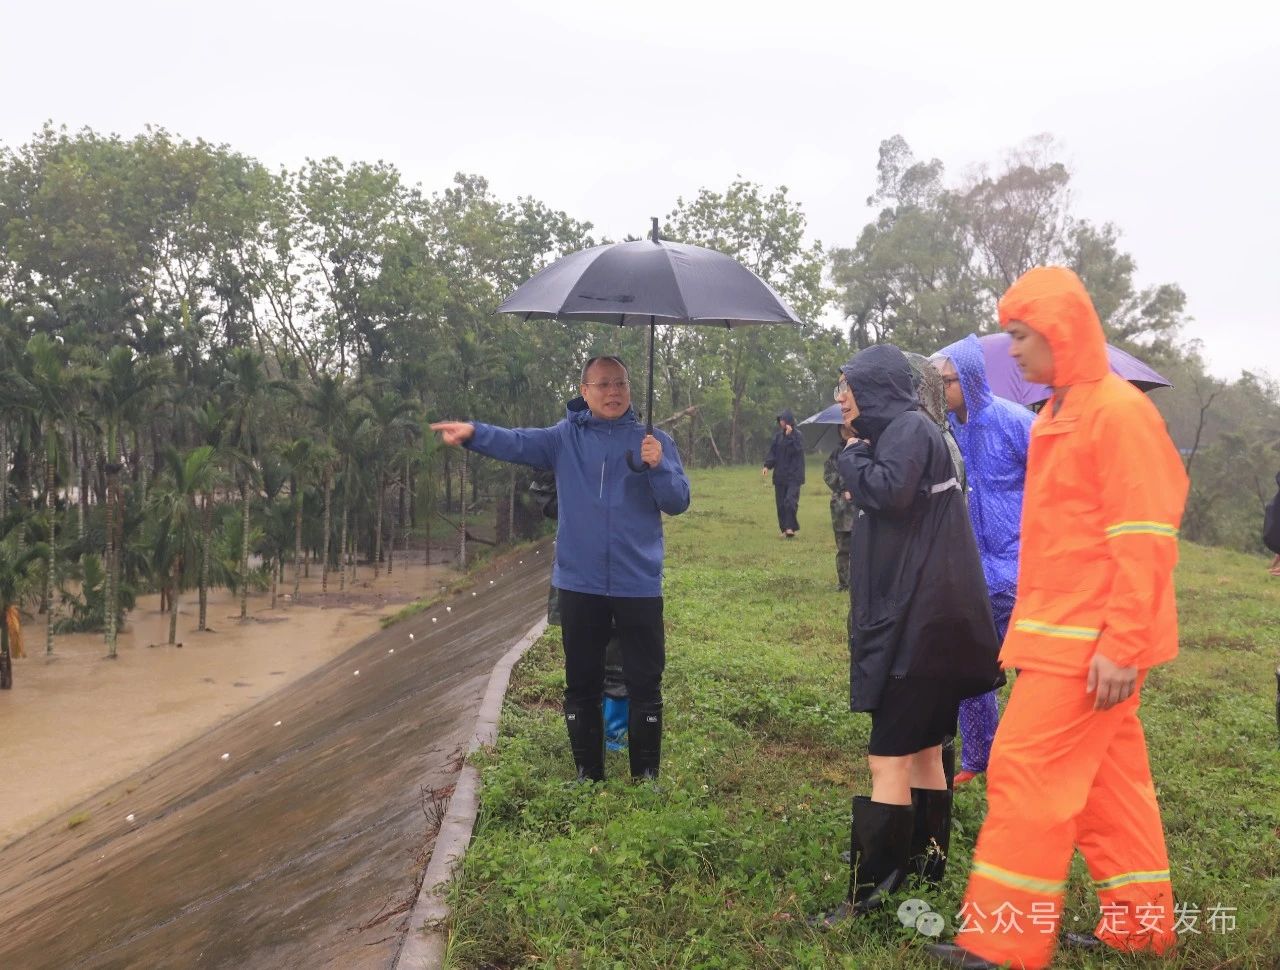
609, 551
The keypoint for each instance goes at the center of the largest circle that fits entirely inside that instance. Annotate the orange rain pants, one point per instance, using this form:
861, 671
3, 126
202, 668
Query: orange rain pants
1063, 776
1104, 499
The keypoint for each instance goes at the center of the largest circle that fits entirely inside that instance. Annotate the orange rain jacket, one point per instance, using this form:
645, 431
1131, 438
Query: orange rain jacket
1104, 461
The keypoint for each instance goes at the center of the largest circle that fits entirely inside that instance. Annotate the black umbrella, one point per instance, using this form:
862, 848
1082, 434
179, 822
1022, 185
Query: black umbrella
648, 282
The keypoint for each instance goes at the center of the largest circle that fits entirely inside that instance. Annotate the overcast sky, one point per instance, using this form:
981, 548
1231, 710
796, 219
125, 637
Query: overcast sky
1166, 113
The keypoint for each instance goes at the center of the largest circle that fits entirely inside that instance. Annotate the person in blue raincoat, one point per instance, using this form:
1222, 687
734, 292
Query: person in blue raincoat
993, 435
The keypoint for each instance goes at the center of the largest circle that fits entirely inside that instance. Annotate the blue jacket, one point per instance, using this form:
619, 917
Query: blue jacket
993, 440
609, 530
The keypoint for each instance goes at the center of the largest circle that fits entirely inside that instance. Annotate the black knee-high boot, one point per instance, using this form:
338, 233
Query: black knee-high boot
931, 833
879, 857
644, 742
881, 850
585, 724
949, 761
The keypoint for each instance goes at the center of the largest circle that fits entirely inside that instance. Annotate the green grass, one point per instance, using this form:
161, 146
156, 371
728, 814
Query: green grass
720, 866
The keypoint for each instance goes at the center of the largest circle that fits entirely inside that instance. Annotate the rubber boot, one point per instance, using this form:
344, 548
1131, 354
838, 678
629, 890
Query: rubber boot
949, 761
586, 739
930, 834
644, 727
616, 713
879, 854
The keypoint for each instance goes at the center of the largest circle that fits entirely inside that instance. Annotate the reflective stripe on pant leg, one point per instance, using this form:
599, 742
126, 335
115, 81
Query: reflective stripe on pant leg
1122, 840
1046, 753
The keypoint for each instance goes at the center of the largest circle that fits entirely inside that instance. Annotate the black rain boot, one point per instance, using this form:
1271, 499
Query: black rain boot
931, 834
949, 762
585, 724
880, 855
644, 742
957, 956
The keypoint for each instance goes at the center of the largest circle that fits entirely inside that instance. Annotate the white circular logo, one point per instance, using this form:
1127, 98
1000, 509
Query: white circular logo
931, 924
911, 910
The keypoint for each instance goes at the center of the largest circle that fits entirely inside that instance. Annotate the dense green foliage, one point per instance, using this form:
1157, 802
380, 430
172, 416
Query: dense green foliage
210, 371
720, 867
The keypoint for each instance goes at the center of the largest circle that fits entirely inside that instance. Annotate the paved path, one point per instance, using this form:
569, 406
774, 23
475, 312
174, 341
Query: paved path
304, 847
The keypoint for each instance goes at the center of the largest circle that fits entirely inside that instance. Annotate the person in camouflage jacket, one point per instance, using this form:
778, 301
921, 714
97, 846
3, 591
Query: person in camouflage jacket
843, 512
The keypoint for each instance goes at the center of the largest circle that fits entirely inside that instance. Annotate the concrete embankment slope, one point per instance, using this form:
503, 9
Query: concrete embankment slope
304, 846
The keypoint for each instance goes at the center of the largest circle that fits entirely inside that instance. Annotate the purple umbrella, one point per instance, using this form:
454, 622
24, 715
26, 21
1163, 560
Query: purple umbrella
1007, 381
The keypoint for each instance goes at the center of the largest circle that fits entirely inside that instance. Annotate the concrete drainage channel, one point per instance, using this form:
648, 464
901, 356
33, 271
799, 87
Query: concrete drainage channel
426, 938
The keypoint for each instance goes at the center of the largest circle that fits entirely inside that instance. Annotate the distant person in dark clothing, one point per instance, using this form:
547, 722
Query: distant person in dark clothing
786, 460
1271, 529
843, 512
922, 637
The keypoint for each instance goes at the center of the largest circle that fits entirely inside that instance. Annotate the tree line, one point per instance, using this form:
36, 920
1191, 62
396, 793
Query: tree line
216, 374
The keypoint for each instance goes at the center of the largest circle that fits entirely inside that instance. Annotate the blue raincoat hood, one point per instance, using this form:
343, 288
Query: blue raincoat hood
971, 367
993, 440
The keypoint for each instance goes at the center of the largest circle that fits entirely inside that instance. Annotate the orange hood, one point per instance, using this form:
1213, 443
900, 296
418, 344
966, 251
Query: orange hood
1053, 302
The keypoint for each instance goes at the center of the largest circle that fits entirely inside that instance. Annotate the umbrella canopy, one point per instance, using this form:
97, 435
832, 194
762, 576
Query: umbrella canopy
1007, 381
826, 421
646, 283
929, 391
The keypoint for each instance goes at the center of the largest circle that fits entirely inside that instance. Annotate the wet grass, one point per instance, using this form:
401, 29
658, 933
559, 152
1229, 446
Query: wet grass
719, 868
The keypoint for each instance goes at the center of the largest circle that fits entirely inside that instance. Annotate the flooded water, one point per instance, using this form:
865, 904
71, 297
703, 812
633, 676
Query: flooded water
294, 835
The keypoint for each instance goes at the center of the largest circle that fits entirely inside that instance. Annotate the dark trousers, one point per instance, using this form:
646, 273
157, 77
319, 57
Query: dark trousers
787, 496
842, 558
587, 621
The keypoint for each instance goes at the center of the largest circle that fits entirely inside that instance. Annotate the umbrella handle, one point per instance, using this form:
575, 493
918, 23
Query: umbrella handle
632, 463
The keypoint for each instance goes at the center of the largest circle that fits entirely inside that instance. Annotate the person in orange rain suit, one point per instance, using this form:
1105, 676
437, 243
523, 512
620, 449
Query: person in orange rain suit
1095, 611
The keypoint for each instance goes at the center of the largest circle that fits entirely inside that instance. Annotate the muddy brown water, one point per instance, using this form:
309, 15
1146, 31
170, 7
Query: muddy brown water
304, 847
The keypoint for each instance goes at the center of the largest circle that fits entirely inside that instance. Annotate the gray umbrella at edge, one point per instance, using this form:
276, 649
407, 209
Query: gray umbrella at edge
650, 281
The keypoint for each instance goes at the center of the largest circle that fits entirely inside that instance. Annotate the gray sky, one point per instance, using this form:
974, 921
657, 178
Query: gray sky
1166, 112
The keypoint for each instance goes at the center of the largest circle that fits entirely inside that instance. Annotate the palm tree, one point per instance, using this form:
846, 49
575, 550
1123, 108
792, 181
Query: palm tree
17, 565
275, 519
329, 399
57, 384
389, 423
120, 395
299, 455
247, 388
178, 519
17, 398
210, 421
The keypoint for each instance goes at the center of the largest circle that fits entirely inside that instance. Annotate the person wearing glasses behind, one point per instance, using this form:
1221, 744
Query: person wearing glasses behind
609, 551
993, 435
922, 638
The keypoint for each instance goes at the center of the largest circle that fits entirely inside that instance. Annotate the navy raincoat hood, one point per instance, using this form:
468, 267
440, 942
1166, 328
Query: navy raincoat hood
883, 387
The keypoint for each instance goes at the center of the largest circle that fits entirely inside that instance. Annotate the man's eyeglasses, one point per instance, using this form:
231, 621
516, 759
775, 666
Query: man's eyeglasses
842, 388
608, 385
948, 381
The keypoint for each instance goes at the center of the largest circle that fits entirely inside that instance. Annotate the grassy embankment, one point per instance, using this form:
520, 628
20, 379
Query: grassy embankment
720, 866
